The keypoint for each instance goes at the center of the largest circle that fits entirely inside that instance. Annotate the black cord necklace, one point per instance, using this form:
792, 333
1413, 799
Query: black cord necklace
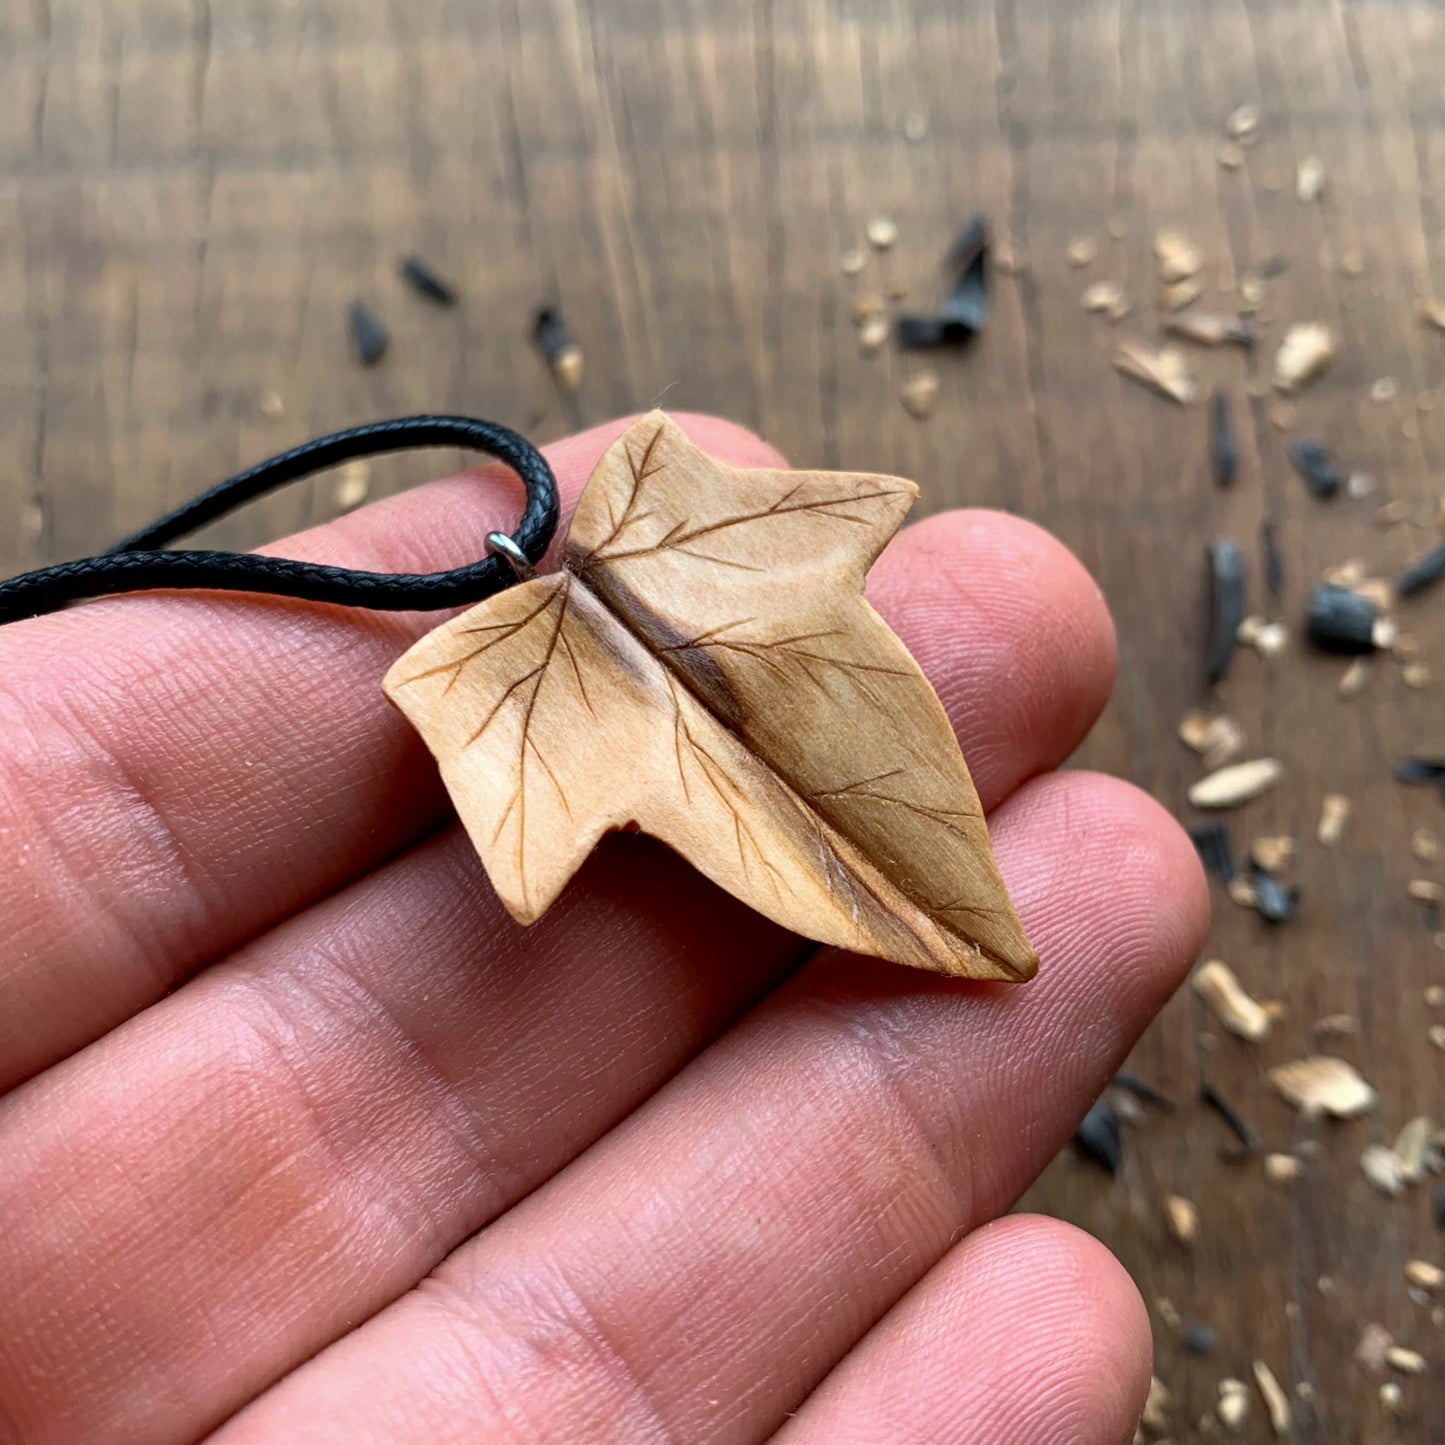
137, 564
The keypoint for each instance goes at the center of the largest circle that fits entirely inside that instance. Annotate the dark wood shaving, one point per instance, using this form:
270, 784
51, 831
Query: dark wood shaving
1231, 1116
553, 339
1140, 1089
1440, 1206
1209, 329
1211, 840
1198, 1339
1425, 572
1340, 620
1275, 902
1274, 574
425, 282
1099, 1137
1422, 770
1314, 463
1226, 605
965, 309
369, 337
1223, 452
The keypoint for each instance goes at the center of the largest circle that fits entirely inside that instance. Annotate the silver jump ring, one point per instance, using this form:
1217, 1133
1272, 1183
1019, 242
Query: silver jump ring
499, 544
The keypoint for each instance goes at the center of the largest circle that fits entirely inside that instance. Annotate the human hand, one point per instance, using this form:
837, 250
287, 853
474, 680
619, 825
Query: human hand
305, 1140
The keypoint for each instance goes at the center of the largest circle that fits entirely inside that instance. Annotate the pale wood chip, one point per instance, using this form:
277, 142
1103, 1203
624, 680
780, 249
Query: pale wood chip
1407, 1362
1307, 349
1239, 782
1310, 179
1381, 1166
1322, 1084
1081, 250
1163, 369
1375, 1339
1272, 853
1182, 1218
1177, 256
1282, 1168
1334, 814
882, 232
1276, 1402
1215, 982
1354, 678
353, 485
1423, 1274
920, 395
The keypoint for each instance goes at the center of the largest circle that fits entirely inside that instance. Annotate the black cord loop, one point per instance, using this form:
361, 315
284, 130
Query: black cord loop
135, 565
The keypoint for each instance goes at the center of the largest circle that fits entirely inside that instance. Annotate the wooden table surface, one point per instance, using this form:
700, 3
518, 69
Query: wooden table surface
192, 193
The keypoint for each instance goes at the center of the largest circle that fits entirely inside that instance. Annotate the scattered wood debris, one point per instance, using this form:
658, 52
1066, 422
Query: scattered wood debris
1375, 1339
1310, 179
1322, 1084
1209, 328
1334, 1026
1276, 1402
1272, 852
553, 338
353, 484
882, 232
1390, 1397
1081, 250
1269, 639
1182, 1218
1226, 606
1155, 1416
1211, 842
1412, 1147
1422, 770
369, 337
1216, 739
873, 334
1407, 1362
1231, 155
1233, 1406
1381, 1167
1334, 814
271, 405
1198, 1339
1252, 291
1106, 298
964, 311
424, 280
1354, 678
920, 395
1424, 572
1359, 485
1314, 463
1223, 450
1133, 1085
1238, 783
1243, 123
915, 126
1307, 349
1236, 1121
1099, 1137
1415, 674
1383, 389
1341, 620
1432, 313
1177, 256
1163, 369
1179, 294
1423, 890
1282, 1168
1215, 982
1422, 1274
853, 260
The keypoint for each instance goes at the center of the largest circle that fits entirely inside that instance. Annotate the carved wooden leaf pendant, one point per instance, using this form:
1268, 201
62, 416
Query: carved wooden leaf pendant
705, 669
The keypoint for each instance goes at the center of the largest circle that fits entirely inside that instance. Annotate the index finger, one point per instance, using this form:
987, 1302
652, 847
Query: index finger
179, 773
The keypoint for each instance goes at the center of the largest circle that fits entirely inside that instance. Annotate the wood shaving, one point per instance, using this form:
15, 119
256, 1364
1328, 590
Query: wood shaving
1210, 328
873, 333
1164, 370
1215, 739
1180, 294
1282, 1168
1272, 853
1231, 155
1236, 784
1307, 349
1233, 1406
1241, 891
1333, 1026
1435, 995
1415, 674
920, 395
1276, 1402
1359, 485
1252, 292
1352, 264
1381, 1166
1349, 573
1243, 122
1177, 256
1422, 1274
1322, 1084
1378, 591
1390, 1395
353, 485
1155, 1415
869, 306
1309, 181
1182, 1218
1375, 1339
853, 260
1412, 1148
1269, 639
1227, 999
271, 405
1081, 250
1104, 296
1423, 890
1354, 678
882, 232
1436, 1035
1334, 814
1392, 513
1407, 1362
1384, 389
1432, 313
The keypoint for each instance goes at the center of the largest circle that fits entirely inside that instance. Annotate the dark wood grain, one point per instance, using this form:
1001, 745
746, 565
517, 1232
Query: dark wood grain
192, 193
